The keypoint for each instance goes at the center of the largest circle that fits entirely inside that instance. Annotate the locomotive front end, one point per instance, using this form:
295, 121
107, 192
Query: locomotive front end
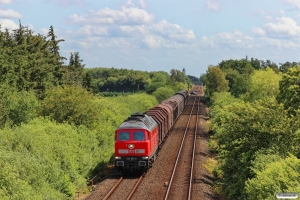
135, 143
132, 150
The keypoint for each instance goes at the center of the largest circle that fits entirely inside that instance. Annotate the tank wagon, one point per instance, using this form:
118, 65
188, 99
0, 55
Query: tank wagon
139, 138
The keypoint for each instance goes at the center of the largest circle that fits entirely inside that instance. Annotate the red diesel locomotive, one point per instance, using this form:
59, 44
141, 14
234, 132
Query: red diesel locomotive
139, 138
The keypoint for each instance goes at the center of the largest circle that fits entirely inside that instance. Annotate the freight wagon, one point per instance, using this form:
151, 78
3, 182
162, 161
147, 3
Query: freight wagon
139, 138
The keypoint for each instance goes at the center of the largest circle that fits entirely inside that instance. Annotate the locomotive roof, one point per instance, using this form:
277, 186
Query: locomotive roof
139, 121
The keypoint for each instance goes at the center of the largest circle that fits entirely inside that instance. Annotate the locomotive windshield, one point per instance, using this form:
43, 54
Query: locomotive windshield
123, 136
138, 136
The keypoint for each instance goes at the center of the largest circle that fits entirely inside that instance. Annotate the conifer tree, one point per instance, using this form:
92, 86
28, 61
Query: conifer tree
74, 71
57, 61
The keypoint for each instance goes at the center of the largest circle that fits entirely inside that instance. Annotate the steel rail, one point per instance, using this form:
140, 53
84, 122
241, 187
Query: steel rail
178, 155
135, 187
193, 155
113, 189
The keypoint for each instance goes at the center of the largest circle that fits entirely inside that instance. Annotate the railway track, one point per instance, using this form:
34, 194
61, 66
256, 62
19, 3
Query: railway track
122, 186
153, 186
180, 184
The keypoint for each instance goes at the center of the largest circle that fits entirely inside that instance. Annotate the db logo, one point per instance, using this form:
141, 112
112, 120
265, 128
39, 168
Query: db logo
131, 151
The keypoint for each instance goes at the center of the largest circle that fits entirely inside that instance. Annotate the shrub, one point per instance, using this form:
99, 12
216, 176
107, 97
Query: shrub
163, 93
281, 175
17, 107
71, 104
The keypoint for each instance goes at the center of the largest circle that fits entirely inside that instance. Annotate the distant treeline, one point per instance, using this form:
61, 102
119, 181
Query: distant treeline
125, 80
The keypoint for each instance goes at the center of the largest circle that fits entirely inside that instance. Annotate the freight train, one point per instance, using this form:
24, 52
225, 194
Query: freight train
139, 138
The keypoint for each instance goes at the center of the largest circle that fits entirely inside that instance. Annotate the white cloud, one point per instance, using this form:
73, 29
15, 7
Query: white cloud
127, 15
9, 24
278, 43
152, 41
172, 32
67, 2
6, 1
143, 4
131, 24
88, 31
10, 14
235, 40
258, 31
284, 27
281, 13
295, 3
213, 6
134, 31
44, 31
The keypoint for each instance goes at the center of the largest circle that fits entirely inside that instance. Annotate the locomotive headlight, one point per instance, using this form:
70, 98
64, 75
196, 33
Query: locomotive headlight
131, 146
117, 158
145, 157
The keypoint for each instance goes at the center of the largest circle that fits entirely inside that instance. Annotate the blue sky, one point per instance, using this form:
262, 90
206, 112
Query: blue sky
154, 35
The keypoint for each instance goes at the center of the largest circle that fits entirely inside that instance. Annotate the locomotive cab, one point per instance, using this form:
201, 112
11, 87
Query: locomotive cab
132, 149
135, 144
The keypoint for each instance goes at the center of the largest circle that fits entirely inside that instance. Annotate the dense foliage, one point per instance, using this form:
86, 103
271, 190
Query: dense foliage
30, 61
215, 80
124, 80
257, 128
277, 174
290, 89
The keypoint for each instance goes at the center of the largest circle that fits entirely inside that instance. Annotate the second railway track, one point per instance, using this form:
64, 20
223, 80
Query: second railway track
180, 184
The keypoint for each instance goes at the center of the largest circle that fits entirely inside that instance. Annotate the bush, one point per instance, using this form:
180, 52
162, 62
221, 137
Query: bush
71, 104
213, 145
281, 175
44, 156
242, 129
163, 93
17, 107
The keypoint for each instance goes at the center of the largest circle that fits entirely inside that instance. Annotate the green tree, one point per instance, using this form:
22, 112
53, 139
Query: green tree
202, 79
194, 80
255, 63
73, 74
280, 175
215, 80
270, 64
289, 89
238, 83
242, 129
243, 66
72, 104
57, 60
220, 100
163, 93
46, 160
118, 80
177, 75
17, 107
237, 73
263, 84
28, 60
157, 80
284, 67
